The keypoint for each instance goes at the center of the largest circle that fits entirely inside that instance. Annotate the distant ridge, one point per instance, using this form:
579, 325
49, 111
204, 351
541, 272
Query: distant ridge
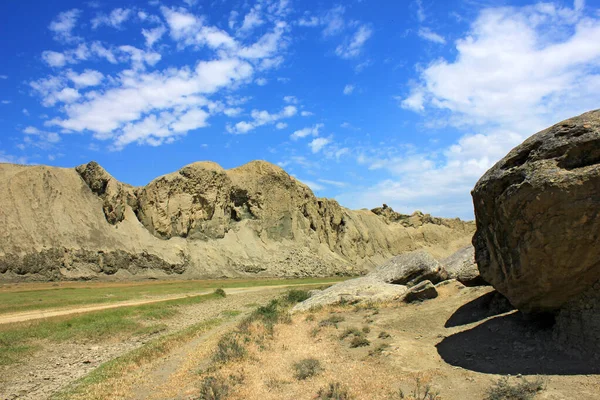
201, 221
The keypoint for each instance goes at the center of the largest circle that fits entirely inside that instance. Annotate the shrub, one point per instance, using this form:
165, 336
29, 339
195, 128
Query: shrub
213, 388
334, 320
359, 341
523, 390
384, 335
220, 292
296, 296
379, 349
307, 368
366, 329
310, 317
350, 331
229, 348
335, 391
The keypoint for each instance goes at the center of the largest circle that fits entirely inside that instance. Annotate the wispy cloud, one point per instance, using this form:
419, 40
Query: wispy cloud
348, 89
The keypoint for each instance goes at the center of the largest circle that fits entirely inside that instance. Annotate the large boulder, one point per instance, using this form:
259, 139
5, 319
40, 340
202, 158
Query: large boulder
462, 267
353, 291
410, 268
538, 217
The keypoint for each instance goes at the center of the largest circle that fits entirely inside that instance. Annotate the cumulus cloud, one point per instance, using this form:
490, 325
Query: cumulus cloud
115, 19
512, 76
316, 145
353, 46
64, 23
260, 118
86, 78
302, 133
348, 89
153, 35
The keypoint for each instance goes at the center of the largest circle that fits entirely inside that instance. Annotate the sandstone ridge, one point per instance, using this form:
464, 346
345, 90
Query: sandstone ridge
200, 221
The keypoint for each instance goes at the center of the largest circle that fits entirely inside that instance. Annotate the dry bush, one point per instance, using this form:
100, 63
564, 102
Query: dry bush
523, 390
213, 388
307, 368
334, 391
334, 320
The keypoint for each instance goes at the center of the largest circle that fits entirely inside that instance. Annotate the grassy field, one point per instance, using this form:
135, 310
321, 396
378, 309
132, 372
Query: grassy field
40, 296
17, 340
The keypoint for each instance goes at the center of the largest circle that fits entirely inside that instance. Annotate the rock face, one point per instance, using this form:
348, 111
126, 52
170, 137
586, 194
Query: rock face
462, 267
410, 269
201, 221
538, 217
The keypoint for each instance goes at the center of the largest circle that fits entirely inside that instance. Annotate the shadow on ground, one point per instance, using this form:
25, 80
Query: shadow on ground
510, 344
483, 307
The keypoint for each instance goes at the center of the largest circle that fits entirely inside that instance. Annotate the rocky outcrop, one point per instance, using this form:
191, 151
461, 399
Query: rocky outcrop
364, 289
200, 221
410, 269
462, 267
421, 292
406, 277
538, 217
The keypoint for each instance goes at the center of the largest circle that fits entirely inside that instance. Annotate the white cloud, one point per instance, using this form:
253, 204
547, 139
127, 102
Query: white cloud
63, 25
54, 59
6, 102
152, 108
86, 78
260, 118
428, 34
290, 99
348, 89
261, 81
115, 19
251, 20
302, 133
153, 35
309, 21
353, 47
334, 21
413, 102
517, 71
25, 112
317, 144
281, 125
306, 114
232, 111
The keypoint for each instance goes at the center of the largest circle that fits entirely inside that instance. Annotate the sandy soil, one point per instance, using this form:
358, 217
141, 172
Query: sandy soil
458, 342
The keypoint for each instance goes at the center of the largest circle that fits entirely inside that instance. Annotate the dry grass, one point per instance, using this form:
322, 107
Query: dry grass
271, 367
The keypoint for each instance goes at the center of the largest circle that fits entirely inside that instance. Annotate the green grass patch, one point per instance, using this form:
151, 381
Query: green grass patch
98, 293
17, 340
137, 357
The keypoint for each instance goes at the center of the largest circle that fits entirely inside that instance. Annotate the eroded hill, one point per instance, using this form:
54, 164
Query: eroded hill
201, 221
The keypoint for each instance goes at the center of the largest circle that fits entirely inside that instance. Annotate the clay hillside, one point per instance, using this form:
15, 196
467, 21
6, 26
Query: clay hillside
201, 221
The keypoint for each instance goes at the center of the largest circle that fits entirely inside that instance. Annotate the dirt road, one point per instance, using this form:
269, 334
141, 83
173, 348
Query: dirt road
48, 313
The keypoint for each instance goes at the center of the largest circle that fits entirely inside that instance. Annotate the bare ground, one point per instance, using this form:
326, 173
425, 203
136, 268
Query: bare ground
59, 364
452, 342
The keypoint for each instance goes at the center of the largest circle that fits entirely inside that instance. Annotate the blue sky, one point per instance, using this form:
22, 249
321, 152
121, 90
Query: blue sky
400, 102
